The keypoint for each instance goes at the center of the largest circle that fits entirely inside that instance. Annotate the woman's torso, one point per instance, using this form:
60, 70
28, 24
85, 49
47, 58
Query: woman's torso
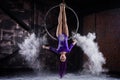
62, 43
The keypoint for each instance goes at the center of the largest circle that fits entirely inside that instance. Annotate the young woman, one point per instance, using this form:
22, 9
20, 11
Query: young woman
62, 34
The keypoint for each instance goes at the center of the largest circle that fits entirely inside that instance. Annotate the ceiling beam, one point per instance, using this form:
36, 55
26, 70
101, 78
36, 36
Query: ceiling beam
6, 10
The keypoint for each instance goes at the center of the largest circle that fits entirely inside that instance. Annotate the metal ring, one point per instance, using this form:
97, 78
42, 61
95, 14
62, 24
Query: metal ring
51, 10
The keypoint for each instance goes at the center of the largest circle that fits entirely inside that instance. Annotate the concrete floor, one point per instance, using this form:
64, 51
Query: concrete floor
55, 76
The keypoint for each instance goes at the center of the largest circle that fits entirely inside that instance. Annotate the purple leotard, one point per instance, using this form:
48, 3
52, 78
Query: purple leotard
62, 45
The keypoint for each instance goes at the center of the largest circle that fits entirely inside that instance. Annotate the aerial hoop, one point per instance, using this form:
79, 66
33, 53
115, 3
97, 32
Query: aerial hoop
77, 26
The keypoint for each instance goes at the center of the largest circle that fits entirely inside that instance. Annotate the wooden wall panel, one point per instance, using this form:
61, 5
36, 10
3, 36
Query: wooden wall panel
89, 24
108, 36
106, 24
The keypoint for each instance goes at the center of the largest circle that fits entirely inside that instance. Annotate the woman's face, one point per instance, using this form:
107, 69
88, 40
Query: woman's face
63, 57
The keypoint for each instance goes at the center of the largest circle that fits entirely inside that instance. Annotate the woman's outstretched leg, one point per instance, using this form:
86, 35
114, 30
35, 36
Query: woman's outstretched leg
65, 26
59, 26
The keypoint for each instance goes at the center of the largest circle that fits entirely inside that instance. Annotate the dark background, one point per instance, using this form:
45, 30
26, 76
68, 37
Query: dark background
18, 18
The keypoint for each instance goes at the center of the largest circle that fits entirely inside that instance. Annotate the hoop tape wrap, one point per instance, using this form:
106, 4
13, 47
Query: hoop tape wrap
45, 18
